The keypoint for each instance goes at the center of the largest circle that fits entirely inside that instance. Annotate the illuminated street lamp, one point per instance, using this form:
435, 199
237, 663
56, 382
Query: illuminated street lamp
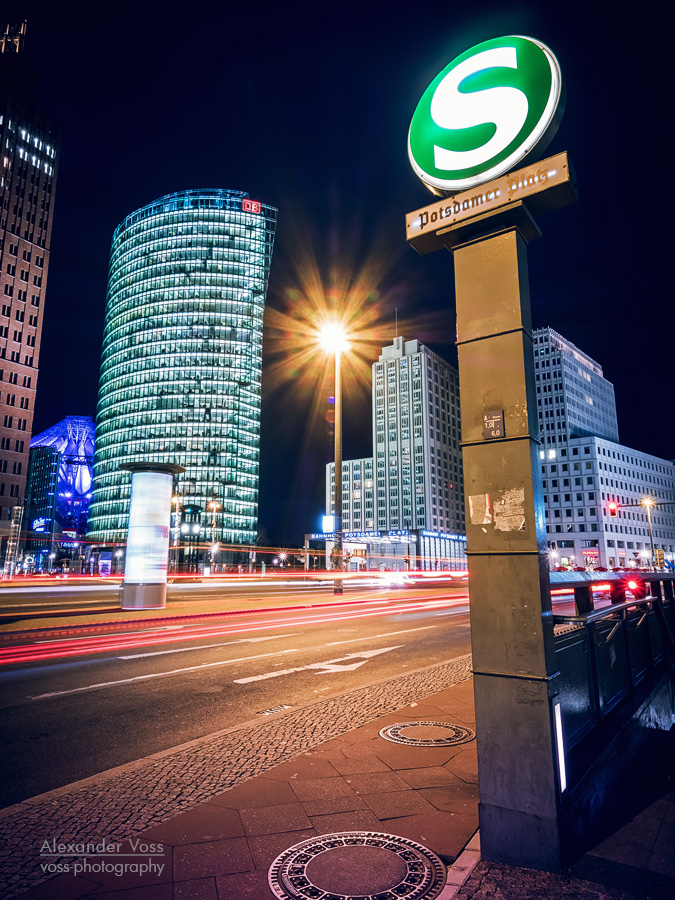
214, 507
333, 339
175, 501
648, 502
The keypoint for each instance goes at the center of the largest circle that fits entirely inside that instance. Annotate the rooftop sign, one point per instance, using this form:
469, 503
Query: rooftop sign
495, 106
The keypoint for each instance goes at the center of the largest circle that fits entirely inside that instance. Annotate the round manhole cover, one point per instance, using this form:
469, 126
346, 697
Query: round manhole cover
427, 734
357, 865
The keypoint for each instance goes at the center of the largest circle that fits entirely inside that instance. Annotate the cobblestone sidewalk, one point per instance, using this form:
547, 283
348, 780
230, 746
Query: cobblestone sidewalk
166, 784
492, 881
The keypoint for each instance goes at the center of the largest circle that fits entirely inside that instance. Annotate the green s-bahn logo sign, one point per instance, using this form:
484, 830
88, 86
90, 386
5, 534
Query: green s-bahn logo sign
494, 106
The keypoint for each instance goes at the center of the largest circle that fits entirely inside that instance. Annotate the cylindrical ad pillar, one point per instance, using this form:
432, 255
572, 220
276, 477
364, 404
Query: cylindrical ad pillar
147, 553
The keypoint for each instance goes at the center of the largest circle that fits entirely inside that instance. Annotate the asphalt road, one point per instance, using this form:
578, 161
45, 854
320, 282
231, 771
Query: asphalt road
30, 601
90, 702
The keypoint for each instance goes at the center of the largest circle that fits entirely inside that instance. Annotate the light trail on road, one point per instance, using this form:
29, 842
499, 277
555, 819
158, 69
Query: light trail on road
83, 646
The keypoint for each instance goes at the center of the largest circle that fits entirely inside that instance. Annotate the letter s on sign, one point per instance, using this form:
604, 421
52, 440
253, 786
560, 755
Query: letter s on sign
506, 107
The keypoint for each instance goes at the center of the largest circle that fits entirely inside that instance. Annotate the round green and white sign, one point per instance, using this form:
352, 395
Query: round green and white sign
494, 106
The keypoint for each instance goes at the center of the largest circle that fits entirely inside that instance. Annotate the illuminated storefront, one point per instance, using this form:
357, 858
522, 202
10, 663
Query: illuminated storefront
182, 360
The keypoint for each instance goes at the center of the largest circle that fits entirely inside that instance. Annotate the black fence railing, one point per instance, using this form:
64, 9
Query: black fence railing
607, 655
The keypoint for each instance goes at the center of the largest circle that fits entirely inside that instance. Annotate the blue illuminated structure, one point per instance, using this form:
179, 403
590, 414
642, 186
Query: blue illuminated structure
59, 487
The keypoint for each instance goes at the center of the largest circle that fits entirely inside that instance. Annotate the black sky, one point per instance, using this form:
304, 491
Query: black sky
307, 108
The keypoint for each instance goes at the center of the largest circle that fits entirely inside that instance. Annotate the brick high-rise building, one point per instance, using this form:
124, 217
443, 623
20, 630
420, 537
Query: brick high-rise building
28, 162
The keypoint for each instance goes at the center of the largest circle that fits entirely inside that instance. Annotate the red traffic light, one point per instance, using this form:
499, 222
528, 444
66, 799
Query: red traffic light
613, 508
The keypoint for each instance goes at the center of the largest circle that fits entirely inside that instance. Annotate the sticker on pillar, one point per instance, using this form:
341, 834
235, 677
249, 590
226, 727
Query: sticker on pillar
509, 510
480, 512
493, 424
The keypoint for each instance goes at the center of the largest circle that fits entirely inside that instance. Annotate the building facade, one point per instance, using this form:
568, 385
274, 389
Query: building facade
411, 491
58, 492
581, 480
182, 362
584, 467
28, 164
574, 399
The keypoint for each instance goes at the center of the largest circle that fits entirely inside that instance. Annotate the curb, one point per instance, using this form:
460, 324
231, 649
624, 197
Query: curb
461, 869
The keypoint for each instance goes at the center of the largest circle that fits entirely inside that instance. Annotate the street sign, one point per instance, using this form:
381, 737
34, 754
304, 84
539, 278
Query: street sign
493, 107
548, 184
493, 424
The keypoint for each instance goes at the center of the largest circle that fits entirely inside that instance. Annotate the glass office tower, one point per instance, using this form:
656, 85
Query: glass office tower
182, 360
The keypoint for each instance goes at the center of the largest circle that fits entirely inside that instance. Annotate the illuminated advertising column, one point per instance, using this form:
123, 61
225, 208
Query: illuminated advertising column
147, 554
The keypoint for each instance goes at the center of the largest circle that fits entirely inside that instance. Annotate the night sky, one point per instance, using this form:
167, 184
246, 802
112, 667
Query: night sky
307, 108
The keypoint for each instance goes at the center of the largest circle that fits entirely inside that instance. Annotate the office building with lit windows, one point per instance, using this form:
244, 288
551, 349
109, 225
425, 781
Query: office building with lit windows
410, 492
182, 360
574, 399
28, 163
584, 467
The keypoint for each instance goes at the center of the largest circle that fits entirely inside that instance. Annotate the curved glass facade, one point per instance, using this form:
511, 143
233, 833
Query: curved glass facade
182, 359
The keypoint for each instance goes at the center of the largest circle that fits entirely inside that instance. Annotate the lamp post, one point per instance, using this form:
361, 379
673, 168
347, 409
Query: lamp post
647, 502
553, 556
334, 340
175, 501
214, 507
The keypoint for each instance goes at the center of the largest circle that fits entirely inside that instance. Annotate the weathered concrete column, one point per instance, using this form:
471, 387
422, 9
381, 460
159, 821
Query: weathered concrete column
511, 626
518, 718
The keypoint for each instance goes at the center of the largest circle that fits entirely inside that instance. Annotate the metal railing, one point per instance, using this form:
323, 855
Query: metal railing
606, 655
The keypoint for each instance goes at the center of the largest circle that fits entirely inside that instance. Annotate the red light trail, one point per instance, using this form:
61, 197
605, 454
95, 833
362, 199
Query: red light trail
88, 645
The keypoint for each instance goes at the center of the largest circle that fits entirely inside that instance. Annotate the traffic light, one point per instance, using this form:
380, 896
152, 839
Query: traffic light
613, 508
660, 557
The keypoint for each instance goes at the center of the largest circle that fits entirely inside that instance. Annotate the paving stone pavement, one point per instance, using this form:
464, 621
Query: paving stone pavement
144, 796
492, 881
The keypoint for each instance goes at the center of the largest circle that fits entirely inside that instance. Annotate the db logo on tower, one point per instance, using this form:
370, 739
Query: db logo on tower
251, 206
493, 107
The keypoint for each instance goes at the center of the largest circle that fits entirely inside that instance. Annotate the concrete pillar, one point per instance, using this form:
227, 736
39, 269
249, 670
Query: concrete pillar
511, 626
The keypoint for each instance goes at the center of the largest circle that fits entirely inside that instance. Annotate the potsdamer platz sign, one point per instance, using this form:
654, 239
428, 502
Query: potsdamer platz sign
494, 108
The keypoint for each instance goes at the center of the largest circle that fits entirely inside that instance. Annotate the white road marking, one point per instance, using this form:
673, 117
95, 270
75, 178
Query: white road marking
376, 637
105, 684
324, 668
257, 640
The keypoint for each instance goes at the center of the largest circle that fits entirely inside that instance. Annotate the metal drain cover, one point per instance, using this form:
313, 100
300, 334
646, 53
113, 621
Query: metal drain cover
357, 865
427, 734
